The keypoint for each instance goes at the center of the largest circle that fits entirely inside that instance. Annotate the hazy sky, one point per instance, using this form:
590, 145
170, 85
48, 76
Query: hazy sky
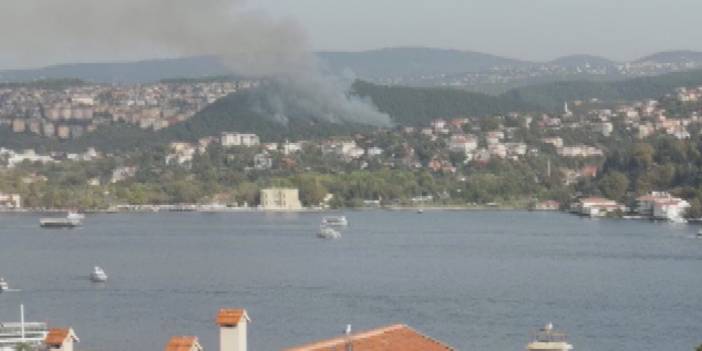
532, 29
525, 29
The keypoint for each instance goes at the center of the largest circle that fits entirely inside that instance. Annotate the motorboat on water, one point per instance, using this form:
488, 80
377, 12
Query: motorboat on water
328, 233
75, 215
71, 220
547, 339
3, 285
699, 234
335, 221
98, 275
420, 211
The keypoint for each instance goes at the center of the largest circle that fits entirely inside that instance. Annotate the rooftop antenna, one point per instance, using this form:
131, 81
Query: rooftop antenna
22, 322
347, 332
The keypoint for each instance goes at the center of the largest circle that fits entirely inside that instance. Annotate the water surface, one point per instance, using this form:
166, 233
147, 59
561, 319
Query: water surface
477, 280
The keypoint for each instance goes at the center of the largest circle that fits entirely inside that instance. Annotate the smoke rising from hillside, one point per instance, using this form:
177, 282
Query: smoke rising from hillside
249, 43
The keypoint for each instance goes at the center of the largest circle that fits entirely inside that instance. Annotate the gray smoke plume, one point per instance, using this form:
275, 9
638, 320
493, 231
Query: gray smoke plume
249, 43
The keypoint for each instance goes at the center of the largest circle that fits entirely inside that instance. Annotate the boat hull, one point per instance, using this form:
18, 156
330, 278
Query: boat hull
59, 223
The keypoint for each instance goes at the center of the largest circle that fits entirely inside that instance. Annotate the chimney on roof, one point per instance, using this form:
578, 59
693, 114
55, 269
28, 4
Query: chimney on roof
232, 329
60, 339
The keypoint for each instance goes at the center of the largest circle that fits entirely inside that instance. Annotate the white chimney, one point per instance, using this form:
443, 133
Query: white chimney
232, 329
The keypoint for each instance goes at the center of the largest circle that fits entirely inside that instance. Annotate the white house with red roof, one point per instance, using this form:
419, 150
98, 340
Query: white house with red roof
662, 205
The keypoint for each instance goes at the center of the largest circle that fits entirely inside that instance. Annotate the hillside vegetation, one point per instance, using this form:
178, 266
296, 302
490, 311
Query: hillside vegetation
551, 96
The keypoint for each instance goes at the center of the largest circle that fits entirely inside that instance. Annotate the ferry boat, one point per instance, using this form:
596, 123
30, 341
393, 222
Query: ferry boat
71, 220
14, 333
328, 233
3, 285
335, 221
548, 339
98, 275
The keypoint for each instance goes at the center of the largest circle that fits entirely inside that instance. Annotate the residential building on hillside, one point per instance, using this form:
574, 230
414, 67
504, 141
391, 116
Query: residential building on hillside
239, 139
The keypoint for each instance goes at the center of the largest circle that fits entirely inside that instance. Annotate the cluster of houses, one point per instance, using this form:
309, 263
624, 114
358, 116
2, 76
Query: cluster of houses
74, 111
233, 326
657, 205
11, 158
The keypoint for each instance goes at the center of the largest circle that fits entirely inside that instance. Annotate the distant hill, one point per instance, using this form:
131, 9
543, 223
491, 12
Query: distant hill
551, 96
403, 62
123, 72
675, 57
583, 60
406, 106
408, 66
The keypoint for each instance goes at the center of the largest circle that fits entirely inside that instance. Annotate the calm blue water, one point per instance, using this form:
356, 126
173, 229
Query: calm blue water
476, 280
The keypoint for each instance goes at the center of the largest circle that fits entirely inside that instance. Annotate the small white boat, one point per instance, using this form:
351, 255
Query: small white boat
328, 233
75, 215
699, 234
3, 285
420, 211
335, 221
98, 275
548, 339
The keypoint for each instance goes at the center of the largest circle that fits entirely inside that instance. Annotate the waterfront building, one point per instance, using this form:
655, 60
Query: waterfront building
280, 199
662, 205
597, 207
10, 201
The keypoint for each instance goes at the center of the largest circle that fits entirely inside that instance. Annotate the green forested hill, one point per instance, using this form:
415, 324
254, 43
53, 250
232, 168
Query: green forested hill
552, 95
413, 106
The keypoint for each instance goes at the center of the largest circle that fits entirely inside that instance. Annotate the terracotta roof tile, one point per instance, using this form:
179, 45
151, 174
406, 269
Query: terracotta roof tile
57, 336
183, 343
392, 338
231, 316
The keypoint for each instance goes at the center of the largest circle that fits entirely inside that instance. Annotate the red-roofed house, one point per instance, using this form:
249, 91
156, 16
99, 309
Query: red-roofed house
232, 329
662, 205
183, 343
392, 338
60, 339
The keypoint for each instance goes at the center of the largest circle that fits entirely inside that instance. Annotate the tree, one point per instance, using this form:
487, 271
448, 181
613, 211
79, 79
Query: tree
614, 185
24, 346
699, 348
642, 156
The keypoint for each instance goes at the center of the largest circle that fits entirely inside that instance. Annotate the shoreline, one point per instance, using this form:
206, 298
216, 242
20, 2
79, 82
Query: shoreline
224, 210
